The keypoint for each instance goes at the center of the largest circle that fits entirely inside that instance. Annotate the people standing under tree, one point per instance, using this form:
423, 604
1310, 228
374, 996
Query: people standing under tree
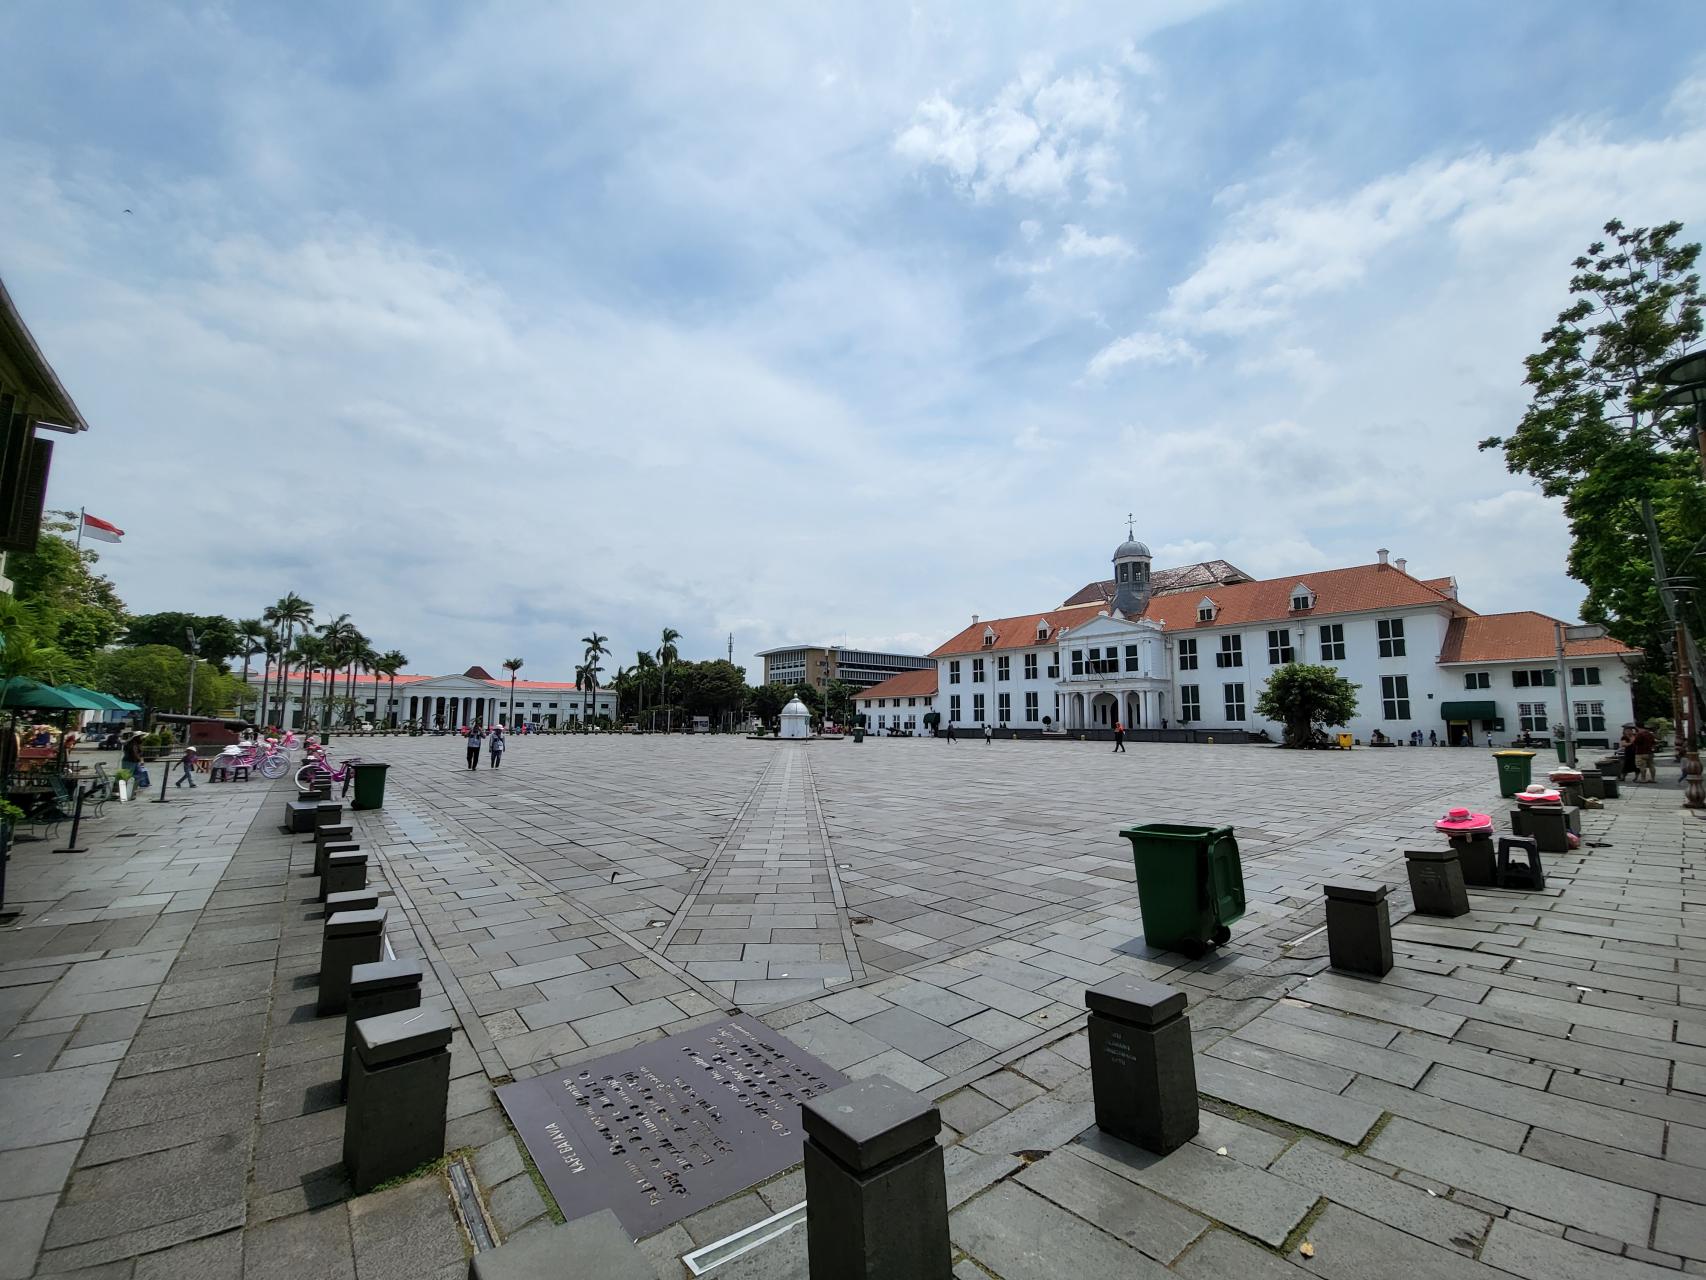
1119, 735
474, 736
496, 747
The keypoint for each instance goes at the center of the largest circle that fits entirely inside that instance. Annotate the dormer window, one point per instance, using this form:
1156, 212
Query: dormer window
1206, 609
1042, 630
1302, 598
989, 637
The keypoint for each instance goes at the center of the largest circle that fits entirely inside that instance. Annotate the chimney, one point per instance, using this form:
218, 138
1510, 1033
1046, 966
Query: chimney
974, 619
1400, 562
1383, 553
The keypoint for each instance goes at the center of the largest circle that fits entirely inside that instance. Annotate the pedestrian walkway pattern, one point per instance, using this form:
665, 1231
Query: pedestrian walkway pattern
1524, 1095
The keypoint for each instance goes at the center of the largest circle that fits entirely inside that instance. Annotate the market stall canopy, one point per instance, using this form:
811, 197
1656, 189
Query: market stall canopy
106, 700
23, 694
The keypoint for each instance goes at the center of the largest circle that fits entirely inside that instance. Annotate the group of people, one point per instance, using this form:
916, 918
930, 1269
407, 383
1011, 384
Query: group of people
494, 739
1637, 746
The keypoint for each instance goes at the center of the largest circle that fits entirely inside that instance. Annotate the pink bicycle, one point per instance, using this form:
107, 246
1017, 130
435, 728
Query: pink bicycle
319, 767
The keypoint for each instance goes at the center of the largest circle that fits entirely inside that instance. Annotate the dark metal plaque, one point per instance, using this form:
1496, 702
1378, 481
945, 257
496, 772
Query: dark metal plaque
661, 1131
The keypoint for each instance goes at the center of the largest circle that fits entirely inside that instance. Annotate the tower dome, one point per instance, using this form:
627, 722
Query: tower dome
1131, 576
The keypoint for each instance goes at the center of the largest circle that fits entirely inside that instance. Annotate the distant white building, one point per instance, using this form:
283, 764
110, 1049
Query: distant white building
451, 702
1193, 647
900, 703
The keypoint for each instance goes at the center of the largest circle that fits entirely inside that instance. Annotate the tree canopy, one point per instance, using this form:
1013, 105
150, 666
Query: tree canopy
217, 637
1306, 697
1594, 435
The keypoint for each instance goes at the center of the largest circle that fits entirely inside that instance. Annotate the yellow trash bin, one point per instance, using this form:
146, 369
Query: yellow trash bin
1345, 742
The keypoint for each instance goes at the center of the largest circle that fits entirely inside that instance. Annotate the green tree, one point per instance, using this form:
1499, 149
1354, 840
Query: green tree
291, 615
767, 700
838, 702
390, 663
1305, 698
252, 632
596, 647
69, 608
157, 676
1594, 435
217, 637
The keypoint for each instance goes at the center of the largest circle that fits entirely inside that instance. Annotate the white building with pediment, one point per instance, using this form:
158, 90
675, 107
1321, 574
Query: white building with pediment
450, 701
1192, 648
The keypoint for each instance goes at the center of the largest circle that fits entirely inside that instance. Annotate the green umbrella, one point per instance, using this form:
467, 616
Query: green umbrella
103, 701
23, 694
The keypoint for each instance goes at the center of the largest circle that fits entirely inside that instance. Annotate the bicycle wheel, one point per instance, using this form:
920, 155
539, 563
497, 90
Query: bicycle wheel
305, 777
272, 767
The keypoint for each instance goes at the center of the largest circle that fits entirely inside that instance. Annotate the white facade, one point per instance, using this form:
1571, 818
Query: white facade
902, 715
450, 702
796, 720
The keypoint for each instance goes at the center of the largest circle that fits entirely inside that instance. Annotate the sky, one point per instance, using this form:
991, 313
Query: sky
492, 325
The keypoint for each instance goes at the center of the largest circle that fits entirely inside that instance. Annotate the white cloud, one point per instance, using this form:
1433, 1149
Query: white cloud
1075, 242
1036, 140
1032, 440
1142, 347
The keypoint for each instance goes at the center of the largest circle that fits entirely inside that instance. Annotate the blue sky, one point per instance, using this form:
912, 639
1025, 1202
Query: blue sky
493, 324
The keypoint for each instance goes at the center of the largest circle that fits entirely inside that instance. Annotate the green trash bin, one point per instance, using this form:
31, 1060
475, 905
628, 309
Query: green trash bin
369, 784
858, 735
1190, 884
1516, 770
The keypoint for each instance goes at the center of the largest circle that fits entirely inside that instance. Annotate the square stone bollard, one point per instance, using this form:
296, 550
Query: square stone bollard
329, 814
323, 850
349, 939
354, 900
1549, 828
346, 870
341, 833
598, 1244
1475, 855
1142, 1069
1610, 788
399, 1085
383, 986
1359, 928
1593, 786
1436, 882
299, 815
876, 1185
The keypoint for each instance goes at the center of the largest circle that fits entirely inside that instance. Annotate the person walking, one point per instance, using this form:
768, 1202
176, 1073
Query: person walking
988, 735
1119, 735
186, 763
496, 746
1626, 752
474, 736
948, 731
1646, 743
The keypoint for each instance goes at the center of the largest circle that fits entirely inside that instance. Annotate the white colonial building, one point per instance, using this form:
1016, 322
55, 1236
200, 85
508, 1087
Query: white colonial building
1193, 648
431, 702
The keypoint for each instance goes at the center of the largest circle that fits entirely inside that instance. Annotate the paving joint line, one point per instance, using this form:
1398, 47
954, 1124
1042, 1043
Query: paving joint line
849, 941
742, 817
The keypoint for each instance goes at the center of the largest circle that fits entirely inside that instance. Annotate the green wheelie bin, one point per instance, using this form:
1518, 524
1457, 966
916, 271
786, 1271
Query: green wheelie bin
1516, 770
369, 784
1190, 884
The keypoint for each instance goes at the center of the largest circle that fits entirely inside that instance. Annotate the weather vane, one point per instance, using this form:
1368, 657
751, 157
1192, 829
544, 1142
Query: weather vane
1128, 526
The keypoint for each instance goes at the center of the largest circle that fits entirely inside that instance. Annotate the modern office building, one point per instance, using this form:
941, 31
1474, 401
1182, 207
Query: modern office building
818, 665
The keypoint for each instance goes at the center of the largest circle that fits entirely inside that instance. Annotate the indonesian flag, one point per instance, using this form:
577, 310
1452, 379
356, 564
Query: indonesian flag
100, 530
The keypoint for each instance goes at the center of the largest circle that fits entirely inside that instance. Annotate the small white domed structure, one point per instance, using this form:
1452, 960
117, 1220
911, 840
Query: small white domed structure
796, 720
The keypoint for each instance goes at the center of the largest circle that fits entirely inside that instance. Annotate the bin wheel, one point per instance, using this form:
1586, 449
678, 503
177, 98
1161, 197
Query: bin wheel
1193, 949
1221, 935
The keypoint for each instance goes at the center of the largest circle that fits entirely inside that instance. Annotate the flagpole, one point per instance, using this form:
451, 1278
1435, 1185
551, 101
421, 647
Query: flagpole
80, 514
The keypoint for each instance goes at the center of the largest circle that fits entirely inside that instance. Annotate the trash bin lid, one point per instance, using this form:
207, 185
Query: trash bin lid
1514, 751
1174, 831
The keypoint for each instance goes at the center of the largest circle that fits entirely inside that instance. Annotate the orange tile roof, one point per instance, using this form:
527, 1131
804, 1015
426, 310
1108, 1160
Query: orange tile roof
1509, 637
908, 684
1358, 589
1188, 577
1017, 633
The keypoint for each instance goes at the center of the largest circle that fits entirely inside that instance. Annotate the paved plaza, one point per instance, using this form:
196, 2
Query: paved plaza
1525, 1094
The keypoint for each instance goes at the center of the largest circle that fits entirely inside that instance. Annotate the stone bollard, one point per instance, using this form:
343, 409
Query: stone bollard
1359, 928
598, 1243
330, 813
340, 833
1436, 882
1142, 1070
324, 848
346, 869
299, 816
380, 987
1475, 856
1548, 827
876, 1185
354, 900
399, 1085
1593, 786
349, 939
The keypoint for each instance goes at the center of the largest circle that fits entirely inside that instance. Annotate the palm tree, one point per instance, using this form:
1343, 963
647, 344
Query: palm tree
270, 649
337, 636
252, 632
390, 663
619, 682
362, 656
667, 654
512, 665
596, 648
580, 683
644, 663
306, 654
293, 613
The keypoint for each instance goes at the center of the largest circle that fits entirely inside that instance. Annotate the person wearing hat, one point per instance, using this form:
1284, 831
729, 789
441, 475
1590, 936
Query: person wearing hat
497, 745
475, 734
187, 764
